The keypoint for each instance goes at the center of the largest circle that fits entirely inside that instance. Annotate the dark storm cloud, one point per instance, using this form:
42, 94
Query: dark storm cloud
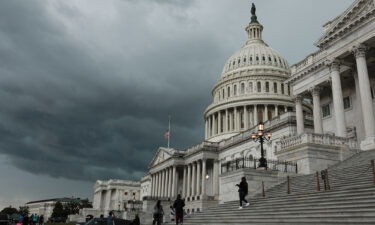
68, 111
86, 87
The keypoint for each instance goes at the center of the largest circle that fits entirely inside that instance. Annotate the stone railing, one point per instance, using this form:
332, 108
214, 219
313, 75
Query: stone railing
324, 139
245, 135
204, 145
312, 58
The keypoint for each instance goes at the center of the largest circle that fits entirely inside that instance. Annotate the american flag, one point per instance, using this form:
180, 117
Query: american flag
167, 134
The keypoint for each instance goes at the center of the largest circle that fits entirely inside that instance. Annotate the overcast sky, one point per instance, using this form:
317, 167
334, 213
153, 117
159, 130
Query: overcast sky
86, 86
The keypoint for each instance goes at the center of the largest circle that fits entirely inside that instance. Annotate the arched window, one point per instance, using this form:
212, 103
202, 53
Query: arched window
243, 88
251, 58
235, 90
251, 87
288, 90
234, 62
267, 86
275, 87
282, 89
244, 59
239, 60
228, 92
259, 87
223, 93
257, 58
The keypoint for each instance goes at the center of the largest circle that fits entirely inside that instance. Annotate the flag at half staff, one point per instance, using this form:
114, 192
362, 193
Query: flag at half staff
167, 134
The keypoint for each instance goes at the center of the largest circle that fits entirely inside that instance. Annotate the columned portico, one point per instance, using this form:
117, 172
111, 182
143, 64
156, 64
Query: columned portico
318, 126
204, 172
188, 181
193, 179
366, 100
299, 115
338, 103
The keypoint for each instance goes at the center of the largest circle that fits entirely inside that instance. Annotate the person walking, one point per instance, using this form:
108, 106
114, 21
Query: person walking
158, 213
41, 220
179, 205
110, 219
136, 220
242, 191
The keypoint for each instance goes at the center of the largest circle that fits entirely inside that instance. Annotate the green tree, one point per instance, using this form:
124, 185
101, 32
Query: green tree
9, 210
58, 210
73, 207
23, 210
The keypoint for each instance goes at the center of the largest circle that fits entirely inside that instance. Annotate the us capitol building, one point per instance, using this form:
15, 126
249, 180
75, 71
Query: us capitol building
320, 111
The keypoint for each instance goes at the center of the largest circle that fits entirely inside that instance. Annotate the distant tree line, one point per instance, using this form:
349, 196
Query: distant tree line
63, 210
22, 210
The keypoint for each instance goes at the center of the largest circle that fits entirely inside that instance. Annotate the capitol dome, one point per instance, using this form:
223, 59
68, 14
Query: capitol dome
251, 88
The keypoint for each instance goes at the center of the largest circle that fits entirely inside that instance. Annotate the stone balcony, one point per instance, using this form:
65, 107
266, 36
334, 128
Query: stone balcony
323, 139
313, 152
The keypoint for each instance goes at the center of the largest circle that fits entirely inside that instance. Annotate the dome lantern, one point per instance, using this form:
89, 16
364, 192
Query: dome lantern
254, 29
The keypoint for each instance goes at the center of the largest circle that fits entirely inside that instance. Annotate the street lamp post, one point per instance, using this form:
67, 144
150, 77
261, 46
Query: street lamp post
261, 136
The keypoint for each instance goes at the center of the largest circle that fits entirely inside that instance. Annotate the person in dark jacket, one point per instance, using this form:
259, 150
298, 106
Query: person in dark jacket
136, 220
242, 191
179, 205
110, 218
158, 213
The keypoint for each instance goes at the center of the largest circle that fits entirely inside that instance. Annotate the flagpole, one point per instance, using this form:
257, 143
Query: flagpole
169, 129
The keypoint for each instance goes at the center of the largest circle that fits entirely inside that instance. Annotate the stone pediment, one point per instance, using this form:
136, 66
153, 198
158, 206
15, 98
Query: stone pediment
162, 154
351, 18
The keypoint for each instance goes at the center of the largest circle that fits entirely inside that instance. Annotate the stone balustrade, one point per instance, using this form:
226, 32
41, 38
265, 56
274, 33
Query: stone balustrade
204, 145
324, 139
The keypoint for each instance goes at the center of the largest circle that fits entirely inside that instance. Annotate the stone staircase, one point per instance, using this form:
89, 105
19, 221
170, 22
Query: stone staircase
351, 200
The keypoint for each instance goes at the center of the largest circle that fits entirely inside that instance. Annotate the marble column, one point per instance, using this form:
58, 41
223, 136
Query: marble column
230, 122
226, 121
235, 118
216, 179
276, 110
338, 102
159, 184
318, 126
198, 181
152, 184
169, 183
184, 183
246, 117
188, 187
266, 113
174, 182
299, 115
209, 126
162, 183
215, 124
193, 179
366, 100
219, 122
204, 172
255, 115
206, 128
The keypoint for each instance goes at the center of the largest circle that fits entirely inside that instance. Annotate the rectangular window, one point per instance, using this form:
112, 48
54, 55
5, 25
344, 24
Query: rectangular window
259, 87
346, 102
275, 87
326, 110
267, 87
282, 89
235, 90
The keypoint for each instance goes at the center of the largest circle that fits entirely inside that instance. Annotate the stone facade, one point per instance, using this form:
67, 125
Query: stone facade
115, 195
45, 207
320, 111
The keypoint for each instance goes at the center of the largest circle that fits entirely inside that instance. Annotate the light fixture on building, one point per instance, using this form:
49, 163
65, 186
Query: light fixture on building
207, 176
261, 136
